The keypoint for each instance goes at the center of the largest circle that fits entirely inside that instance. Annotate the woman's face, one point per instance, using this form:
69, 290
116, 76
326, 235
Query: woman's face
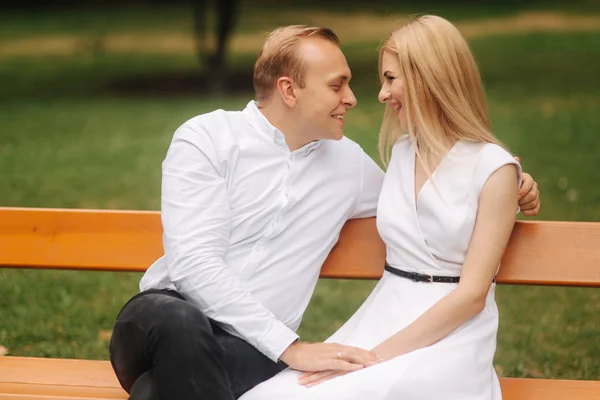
392, 91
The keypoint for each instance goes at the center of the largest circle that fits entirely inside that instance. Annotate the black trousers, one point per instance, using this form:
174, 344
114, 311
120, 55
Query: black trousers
163, 347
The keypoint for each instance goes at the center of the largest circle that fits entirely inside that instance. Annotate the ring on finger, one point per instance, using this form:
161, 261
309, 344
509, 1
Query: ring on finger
339, 355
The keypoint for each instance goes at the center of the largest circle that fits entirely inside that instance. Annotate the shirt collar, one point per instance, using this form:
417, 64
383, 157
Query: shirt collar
262, 124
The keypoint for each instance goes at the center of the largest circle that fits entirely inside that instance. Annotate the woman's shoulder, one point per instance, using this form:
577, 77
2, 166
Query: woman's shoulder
402, 144
488, 158
483, 153
493, 151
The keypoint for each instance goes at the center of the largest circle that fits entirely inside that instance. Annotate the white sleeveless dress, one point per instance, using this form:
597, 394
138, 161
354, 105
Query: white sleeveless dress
432, 237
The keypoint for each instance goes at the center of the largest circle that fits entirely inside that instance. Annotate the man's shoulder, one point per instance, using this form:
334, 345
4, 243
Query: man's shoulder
217, 128
214, 121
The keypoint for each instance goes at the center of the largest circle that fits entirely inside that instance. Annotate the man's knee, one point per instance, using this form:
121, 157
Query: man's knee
158, 328
178, 321
162, 314
175, 330
127, 353
144, 388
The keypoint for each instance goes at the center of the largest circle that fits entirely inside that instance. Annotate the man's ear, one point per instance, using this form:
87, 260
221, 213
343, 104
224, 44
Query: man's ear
286, 89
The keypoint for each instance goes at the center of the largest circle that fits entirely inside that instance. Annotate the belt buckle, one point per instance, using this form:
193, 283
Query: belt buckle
430, 278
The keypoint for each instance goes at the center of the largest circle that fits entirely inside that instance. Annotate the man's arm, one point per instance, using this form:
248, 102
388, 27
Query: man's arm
196, 222
529, 195
371, 181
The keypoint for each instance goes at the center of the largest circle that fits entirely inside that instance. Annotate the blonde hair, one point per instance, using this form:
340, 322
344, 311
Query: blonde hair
279, 57
443, 94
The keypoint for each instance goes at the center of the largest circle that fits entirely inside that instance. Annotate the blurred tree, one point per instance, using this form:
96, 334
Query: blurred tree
212, 55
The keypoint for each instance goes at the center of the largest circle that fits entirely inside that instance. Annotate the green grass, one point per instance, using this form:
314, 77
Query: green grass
70, 138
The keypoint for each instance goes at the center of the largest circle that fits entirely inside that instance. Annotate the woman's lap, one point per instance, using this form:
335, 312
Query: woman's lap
423, 374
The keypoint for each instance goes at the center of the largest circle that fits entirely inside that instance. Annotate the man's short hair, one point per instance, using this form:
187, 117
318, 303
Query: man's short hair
278, 57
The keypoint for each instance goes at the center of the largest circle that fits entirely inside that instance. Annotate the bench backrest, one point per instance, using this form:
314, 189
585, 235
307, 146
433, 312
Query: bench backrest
539, 252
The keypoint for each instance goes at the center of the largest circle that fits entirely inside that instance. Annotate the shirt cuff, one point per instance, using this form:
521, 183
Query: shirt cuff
276, 340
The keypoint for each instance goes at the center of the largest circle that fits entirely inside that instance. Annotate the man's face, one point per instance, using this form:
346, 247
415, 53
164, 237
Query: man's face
326, 97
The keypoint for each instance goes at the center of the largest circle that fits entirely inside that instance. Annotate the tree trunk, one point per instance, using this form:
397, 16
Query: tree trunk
214, 57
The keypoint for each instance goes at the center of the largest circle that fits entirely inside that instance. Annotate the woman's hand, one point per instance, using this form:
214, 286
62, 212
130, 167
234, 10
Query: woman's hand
310, 379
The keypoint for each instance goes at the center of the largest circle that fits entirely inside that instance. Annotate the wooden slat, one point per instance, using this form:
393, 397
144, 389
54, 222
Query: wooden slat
58, 372
34, 391
6, 396
539, 253
358, 254
41, 378
549, 389
512, 389
79, 239
26, 378
553, 253
53, 396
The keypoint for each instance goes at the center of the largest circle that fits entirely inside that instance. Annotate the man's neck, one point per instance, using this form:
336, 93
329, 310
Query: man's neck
276, 117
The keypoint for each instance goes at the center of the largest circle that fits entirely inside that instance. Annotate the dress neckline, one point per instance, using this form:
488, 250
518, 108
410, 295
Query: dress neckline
413, 160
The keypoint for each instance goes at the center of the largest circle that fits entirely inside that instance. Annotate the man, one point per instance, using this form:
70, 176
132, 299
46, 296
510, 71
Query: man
252, 203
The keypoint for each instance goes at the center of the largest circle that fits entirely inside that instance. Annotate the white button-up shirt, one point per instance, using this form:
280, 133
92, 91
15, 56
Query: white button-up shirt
248, 224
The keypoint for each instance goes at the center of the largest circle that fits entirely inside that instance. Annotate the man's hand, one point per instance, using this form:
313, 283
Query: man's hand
529, 195
327, 357
310, 379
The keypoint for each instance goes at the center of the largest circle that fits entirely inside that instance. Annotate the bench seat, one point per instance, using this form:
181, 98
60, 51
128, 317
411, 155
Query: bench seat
58, 379
28, 378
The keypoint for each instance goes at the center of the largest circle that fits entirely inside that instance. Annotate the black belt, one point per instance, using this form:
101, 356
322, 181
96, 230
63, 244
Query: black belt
416, 277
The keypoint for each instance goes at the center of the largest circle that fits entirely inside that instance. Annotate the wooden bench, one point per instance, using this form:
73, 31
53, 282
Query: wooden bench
539, 253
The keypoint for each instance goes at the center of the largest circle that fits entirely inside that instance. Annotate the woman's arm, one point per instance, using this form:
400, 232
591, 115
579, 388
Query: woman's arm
495, 220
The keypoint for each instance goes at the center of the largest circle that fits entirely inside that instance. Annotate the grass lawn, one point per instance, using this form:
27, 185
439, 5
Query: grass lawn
73, 134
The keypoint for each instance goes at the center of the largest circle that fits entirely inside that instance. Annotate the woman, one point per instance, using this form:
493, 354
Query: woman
446, 210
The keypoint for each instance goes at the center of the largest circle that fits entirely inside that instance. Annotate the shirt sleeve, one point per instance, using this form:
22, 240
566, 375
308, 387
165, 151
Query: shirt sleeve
371, 181
196, 221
